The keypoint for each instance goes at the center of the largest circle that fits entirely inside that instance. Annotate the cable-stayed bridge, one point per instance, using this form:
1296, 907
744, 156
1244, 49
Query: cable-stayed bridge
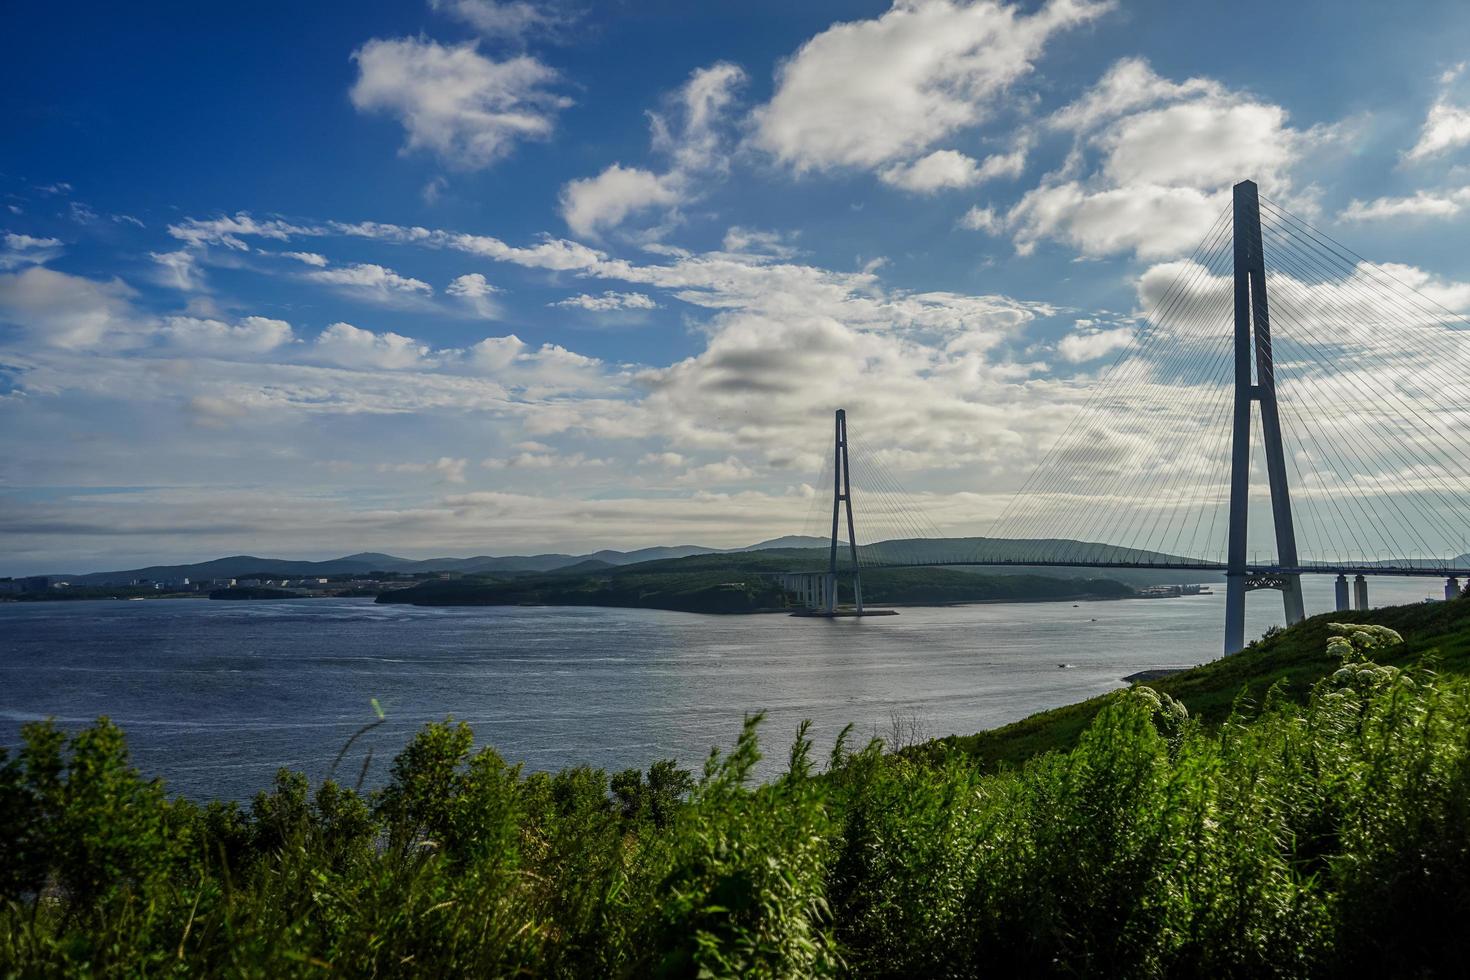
1284, 408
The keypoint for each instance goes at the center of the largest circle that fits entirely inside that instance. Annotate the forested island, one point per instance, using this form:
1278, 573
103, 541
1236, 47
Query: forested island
742, 583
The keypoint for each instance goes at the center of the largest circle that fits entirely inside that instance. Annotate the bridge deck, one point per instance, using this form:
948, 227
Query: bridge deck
1438, 571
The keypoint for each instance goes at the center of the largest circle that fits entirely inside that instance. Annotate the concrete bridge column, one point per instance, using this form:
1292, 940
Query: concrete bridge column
1451, 588
1342, 594
1360, 593
830, 582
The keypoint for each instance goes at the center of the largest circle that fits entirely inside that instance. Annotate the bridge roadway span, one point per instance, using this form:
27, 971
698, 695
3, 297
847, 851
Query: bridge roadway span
1435, 571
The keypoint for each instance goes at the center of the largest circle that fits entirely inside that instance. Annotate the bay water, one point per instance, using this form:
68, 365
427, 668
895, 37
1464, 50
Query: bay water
214, 696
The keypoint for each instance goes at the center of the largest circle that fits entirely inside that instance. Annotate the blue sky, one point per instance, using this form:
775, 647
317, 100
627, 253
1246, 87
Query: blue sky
466, 277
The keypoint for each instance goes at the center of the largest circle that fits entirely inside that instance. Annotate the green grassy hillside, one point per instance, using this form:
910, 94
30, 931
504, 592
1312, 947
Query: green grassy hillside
1436, 635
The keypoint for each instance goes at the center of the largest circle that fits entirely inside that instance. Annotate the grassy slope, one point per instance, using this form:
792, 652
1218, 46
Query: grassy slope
1435, 634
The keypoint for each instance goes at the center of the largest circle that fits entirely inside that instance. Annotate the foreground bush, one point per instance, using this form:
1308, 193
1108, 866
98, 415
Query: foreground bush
1294, 840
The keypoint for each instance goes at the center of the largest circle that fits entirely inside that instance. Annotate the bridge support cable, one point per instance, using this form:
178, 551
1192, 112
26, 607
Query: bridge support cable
1127, 477
1384, 372
1147, 405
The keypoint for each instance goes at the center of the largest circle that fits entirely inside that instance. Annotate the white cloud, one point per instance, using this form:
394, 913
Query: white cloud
593, 203
1447, 127
724, 471
541, 458
1164, 157
179, 269
466, 108
372, 282
433, 189
308, 258
449, 469
1130, 84
1090, 344
551, 253
871, 92
514, 20
983, 219
60, 310
349, 346
476, 292
755, 242
229, 231
1423, 204
494, 354
1449, 294
249, 335
609, 300
947, 169
554, 253
689, 131
21, 250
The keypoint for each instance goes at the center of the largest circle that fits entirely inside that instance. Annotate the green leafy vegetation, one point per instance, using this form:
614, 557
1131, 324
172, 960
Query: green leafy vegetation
739, 583
1316, 826
1286, 663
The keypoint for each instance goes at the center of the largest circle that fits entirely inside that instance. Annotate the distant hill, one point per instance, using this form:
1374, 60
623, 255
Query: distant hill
800, 553
239, 566
733, 582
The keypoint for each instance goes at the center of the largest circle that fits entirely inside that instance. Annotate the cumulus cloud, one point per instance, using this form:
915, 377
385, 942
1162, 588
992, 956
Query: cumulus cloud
609, 300
982, 219
373, 283
467, 109
475, 291
590, 204
947, 169
1447, 127
868, 93
1090, 343
353, 347
61, 310
21, 250
689, 130
1163, 157
249, 335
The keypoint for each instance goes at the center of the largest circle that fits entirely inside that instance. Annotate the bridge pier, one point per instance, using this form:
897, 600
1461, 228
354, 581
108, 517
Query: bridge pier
1360, 593
1234, 612
1343, 603
1451, 588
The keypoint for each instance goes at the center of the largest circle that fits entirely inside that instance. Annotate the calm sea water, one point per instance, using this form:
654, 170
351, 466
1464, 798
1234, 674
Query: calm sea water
216, 695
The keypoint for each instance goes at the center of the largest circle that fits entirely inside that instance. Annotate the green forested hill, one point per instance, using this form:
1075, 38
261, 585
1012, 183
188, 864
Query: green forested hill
736, 583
